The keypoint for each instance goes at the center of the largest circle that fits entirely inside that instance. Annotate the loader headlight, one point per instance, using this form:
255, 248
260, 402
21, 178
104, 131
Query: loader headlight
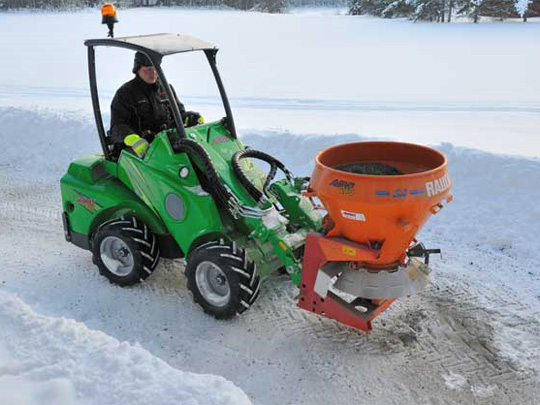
183, 172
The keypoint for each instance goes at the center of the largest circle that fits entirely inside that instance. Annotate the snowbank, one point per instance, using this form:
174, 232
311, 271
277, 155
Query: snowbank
57, 361
41, 143
497, 198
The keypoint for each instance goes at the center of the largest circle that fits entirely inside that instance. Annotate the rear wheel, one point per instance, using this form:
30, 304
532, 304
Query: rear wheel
125, 251
223, 281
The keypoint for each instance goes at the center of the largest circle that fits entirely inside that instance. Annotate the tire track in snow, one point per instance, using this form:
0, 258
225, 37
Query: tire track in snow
444, 330
455, 336
36, 205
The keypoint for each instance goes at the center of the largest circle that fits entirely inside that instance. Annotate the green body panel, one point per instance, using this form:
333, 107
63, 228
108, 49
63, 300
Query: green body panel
267, 237
156, 176
95, 190
301, 211
91, 194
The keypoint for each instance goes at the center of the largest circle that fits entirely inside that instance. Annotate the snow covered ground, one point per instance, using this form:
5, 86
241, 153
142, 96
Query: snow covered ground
57, 361
298, 83
469, 84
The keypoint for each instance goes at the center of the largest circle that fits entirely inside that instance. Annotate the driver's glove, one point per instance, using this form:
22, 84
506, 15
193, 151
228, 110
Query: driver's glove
137, 144
192, 118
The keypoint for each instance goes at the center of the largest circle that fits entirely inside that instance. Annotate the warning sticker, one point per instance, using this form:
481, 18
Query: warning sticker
353, 215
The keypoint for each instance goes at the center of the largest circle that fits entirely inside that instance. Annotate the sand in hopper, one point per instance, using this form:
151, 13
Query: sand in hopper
375, 168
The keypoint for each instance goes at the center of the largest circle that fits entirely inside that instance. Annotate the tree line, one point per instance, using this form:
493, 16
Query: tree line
445, 10
269, 6
417, 10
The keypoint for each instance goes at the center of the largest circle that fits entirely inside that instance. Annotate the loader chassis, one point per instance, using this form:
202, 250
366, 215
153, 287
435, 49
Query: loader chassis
163, 190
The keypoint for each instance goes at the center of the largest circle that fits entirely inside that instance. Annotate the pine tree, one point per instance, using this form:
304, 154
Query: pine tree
398, 8
472, 9
270, 6
355, 7
428, 10
499, 8
522, 8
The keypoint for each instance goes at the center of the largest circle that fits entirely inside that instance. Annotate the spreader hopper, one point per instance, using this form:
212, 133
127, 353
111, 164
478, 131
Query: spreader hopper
381, 193
378, 195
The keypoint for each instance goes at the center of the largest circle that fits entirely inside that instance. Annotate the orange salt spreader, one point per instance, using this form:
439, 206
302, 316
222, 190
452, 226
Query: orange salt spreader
378, 195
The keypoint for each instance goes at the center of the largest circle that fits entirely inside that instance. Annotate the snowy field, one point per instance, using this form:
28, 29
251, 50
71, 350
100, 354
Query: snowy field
474, 85
298, 83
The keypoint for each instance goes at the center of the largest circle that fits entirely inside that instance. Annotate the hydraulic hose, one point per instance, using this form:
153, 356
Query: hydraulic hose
249, 186
218, 190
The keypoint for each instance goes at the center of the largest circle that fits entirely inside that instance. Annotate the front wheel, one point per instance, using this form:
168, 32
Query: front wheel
223, 281
125, 251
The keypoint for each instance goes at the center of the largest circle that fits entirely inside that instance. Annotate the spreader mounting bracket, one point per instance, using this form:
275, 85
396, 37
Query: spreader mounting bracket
419, 250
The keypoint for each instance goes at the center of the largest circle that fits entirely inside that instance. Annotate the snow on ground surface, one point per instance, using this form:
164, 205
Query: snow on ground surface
56, 361
471, 337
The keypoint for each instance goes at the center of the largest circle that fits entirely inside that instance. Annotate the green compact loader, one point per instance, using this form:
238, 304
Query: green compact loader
195, 194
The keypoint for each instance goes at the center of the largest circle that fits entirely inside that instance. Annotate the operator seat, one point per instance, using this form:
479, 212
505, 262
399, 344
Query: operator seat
113, 147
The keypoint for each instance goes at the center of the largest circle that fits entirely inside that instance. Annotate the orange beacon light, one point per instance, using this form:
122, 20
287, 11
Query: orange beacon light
108, 16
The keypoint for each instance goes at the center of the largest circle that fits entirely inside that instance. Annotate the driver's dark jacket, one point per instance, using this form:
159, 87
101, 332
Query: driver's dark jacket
139, 108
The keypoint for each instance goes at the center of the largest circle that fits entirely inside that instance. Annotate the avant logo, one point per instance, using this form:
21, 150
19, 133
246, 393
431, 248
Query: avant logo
89, 203
437, 186
345, 187
219, 139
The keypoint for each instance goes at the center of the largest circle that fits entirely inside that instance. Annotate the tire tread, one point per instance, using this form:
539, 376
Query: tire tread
241, 273
139, 237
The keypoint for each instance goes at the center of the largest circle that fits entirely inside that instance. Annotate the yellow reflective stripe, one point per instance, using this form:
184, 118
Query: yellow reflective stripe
131, 139
139, 143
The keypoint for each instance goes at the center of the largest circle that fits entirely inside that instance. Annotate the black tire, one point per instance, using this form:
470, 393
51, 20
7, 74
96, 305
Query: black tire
129, 244
230, 267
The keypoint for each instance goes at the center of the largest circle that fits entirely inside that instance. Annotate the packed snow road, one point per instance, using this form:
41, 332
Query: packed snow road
472, 337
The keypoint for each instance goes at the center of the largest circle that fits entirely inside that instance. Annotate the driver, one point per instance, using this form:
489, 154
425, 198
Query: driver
139, 109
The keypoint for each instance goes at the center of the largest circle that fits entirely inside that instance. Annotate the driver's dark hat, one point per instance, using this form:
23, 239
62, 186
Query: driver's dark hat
140, 60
